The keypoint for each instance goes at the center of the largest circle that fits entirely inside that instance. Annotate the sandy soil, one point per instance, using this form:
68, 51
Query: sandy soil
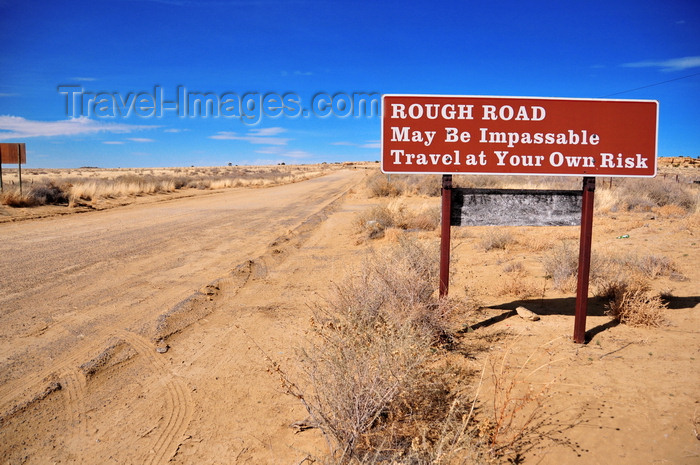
142, 334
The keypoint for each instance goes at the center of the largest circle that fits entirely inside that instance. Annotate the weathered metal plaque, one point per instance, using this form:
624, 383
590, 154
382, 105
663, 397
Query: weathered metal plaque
11, 153
515, 207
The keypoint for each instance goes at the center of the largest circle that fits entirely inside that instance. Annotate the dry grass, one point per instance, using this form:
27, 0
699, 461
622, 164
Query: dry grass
370, 381
660, 194
399, 214
632, 303
561, 265
37, 194
382, 185
496, 238
519, 285
78, 187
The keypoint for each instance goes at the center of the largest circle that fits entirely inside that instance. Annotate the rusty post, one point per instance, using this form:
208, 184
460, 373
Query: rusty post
445, 234
584, 260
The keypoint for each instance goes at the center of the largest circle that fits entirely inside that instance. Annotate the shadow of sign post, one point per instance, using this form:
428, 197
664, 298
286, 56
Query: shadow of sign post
588, 138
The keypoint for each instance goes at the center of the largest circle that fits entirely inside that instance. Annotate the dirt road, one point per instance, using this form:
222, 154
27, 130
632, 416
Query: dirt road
82, 294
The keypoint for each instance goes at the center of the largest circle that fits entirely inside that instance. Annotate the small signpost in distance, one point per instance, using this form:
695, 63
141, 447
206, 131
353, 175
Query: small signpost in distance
13, 153
448, 134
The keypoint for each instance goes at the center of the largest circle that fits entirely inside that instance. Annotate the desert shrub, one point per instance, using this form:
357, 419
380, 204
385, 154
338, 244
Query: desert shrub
368, 369
421, 184
381, 185
561, 265
651, 266
14, 199
516, 417
39, 194
48, 194
632, 303
518, 284
396, 214
496, 238
375, 221
646, 195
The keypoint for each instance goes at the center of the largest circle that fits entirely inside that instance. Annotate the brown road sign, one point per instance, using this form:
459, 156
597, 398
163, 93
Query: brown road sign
452, 134
10, 153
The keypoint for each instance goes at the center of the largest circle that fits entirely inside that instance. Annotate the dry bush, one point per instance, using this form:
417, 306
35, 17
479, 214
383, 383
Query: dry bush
671, 211
517, 283
12, 198
561, 265
381, 185
632, 303
496, 238
370, 385
395, 185
517, 417
651, 266
646, 195
46, 193
424, 185
513, 267
397, 214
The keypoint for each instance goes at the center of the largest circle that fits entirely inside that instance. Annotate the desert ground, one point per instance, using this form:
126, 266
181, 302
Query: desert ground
171, 327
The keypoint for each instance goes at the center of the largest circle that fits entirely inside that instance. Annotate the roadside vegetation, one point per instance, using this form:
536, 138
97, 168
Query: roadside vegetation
377, 380
83, 187
382, 377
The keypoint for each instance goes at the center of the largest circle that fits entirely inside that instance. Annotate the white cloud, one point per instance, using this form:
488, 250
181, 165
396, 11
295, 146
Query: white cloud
113, 142
16, 127
296, 154
264, 136
370, 144
140, 139
284, 153
84, 79
675, 64
267, 131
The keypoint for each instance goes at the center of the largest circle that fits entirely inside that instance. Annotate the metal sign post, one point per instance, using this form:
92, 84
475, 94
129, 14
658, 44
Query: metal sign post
584, 260
445, 224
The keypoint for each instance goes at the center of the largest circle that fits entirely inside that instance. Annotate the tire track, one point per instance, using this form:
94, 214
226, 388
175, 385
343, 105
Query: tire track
178, 402
74, 385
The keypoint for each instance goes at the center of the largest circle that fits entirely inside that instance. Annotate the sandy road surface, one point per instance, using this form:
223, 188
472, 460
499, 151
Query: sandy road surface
91, 287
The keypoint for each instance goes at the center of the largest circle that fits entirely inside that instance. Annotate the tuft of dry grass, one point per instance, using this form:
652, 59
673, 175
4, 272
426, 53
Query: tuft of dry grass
496, 238
397, 214
561, 265
519, 285
38, 194
632, 303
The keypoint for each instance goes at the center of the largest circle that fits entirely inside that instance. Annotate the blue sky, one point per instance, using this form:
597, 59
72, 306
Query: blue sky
591, 49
